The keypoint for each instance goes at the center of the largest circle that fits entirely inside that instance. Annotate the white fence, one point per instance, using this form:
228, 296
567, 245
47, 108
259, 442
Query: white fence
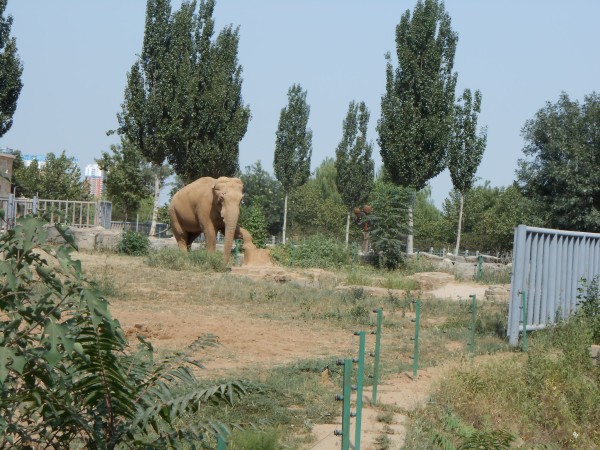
78, 214
548, 266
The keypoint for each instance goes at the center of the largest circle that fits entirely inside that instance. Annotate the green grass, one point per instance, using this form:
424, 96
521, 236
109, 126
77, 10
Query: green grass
547, 398
175, 259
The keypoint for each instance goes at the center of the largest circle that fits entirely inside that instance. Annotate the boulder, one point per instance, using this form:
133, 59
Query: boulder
429, 281
497, 293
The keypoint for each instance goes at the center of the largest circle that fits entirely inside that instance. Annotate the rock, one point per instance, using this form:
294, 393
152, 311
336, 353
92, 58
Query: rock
595, 354
429, 281
497, 293
108, 240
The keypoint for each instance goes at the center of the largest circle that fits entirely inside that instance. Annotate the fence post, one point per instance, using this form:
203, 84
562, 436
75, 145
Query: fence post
473, 320
524, 306
416, 320
359, 388
377, 333
345, 397
292, 258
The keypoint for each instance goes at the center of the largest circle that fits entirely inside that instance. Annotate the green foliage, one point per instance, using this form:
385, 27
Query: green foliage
60, 179
429, 228
11, 70
252, 219
561, 170
260, 187
589, 306
314, 251
417, 107
293, 143
175, 259
490, 216
183, 96
134, 243
128, 178
313, 213
389, 223
67, 375
353, 163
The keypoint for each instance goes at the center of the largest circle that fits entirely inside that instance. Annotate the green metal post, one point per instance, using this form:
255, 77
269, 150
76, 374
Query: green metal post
417, 320
354, 252
473, 320
480, 267
222, 438
346, 397
359, 388
292, 258
379, 312
524, 305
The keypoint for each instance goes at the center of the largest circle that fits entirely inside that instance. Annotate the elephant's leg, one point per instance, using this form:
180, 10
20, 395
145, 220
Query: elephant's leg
210, 237
180, 235
191, 238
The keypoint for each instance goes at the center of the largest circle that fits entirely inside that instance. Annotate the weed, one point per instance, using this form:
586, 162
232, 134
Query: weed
385, 417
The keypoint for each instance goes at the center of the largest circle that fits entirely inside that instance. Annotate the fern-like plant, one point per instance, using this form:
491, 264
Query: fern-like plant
67, 374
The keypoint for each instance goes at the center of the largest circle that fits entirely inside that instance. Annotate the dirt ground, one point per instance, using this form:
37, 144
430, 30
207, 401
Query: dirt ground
170, 320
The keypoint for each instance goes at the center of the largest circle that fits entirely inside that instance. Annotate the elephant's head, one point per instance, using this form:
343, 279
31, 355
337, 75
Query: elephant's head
228, 194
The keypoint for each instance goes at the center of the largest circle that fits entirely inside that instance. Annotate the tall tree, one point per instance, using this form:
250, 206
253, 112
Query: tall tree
416, 109
10, 72
129, 178
293, 146
354, 165
466, 149
561, 171
209, 112
144, 120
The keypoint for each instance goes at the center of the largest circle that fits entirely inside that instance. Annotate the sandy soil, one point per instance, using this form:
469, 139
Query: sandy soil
257, 342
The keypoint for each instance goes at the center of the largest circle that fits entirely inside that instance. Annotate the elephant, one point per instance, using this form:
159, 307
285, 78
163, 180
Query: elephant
207, 205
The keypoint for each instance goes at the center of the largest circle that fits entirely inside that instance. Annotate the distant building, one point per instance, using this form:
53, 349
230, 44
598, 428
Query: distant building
28, 159
95, 179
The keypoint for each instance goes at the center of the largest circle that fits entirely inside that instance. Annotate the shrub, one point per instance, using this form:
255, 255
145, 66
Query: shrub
314, 251
252, 218
67, 375
134, 243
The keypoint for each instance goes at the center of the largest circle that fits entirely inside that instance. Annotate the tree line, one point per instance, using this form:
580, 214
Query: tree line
183, 113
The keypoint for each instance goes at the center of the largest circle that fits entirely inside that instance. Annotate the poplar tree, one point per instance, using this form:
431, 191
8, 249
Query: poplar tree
144, 120
417, 107
293, 146
209, 110
465, 150
355, 169
11, 70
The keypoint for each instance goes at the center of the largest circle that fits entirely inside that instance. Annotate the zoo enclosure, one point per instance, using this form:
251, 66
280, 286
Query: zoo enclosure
78, 214
548, 266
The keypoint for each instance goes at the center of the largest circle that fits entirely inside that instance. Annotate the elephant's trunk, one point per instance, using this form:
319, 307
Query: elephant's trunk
230, 230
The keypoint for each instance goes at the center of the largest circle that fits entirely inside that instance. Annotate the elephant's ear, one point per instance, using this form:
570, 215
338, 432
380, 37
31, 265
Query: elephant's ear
219, 190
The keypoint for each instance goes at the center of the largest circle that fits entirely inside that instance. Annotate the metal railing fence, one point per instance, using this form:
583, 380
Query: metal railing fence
78, 214
548, 266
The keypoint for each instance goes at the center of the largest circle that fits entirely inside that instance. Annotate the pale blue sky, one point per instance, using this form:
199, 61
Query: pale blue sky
520, 54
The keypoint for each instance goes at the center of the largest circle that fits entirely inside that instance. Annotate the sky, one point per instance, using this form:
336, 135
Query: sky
519, 54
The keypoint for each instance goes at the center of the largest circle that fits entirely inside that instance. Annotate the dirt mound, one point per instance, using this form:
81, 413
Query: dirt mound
254, 256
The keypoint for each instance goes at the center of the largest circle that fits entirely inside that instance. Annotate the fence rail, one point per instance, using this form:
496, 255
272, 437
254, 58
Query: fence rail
548, 266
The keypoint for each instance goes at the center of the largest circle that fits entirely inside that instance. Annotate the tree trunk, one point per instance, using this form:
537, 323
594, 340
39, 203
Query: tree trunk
410, 237
156, 171
284, 216
460, 214
347, 227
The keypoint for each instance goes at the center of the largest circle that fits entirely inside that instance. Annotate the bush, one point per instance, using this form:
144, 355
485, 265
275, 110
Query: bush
252, 218
68, 377
314, 251
134, 243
